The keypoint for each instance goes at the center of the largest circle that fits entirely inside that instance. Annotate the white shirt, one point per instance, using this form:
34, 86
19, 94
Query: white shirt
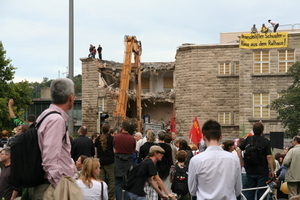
93, 193
273, 23
138, 145
215, 174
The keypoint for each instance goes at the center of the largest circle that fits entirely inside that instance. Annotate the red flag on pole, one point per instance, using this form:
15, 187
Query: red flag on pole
196, 132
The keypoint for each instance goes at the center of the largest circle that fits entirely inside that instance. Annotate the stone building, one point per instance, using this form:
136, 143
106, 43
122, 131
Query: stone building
217, 81
100, 88
231, 85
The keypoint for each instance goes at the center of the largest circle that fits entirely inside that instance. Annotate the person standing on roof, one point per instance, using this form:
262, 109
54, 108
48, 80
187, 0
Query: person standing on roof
274, 24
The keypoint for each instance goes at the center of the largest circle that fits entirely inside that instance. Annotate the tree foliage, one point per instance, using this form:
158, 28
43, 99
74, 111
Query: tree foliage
36, 86
20, 92
78, 84
288, 105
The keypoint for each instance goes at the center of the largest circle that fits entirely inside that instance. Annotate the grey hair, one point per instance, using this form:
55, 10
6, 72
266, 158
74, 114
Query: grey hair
161, 135
61, 89
138, 134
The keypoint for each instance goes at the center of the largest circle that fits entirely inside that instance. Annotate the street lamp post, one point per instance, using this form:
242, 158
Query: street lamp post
71, 58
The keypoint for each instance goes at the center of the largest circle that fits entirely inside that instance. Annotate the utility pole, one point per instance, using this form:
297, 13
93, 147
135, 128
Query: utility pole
71, 59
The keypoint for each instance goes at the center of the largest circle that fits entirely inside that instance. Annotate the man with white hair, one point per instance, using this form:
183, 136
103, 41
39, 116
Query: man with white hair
139, 140
53, 136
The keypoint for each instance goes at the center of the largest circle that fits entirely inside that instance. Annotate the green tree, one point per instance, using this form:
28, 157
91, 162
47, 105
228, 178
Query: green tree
78, 84
20, 92
288, 105
36, 87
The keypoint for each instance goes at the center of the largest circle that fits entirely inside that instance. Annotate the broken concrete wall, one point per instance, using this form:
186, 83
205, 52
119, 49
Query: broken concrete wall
100, 88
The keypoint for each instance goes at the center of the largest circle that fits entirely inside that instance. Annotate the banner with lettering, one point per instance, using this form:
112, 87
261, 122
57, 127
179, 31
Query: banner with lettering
264, 40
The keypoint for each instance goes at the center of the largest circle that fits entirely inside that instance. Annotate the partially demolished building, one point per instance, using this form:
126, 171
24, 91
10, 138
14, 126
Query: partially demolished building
100, 88
220, 81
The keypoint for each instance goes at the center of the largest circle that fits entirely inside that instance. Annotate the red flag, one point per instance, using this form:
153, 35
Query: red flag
172, 124
196, 132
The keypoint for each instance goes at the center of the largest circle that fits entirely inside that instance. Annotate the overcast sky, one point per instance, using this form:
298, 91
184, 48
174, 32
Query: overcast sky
35, 32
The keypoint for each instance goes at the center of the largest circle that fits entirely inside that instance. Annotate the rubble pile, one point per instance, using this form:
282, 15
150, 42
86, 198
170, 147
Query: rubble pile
153, 96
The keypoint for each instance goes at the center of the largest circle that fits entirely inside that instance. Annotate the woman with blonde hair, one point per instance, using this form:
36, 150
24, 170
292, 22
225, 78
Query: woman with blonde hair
144, 149
92, 188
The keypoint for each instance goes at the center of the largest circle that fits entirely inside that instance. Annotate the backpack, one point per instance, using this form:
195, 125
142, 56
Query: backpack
26, 160
253, 152
180, 180
131, 175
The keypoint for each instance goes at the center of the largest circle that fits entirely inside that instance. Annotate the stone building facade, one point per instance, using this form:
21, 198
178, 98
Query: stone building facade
231, 85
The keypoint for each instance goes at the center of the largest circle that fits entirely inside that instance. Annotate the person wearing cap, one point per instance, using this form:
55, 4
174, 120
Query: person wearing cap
253, 29
147, 174
274, 24
214, 173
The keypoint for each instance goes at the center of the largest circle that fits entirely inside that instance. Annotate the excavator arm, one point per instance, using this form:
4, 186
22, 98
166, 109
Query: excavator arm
132, 46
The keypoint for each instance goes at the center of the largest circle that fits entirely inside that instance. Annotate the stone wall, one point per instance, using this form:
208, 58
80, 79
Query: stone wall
90, 93
272, 83
201, 92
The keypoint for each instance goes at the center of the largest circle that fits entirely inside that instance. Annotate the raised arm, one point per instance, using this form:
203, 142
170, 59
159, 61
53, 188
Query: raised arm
10, 108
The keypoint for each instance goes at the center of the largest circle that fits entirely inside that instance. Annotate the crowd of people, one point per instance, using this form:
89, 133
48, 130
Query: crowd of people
265, 29
162, 165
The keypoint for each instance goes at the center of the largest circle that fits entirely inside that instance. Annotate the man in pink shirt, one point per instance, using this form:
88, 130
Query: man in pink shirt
53, 136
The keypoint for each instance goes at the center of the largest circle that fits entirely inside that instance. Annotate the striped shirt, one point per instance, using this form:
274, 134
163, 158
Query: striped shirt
55, 145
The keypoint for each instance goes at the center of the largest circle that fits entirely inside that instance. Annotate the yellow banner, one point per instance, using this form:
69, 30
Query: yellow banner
263, 40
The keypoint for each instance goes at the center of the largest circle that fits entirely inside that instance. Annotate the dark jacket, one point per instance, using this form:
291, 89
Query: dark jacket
106, 156
165, 164
144, 150
82, 146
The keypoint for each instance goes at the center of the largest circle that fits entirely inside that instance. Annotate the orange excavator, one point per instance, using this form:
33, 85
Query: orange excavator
132, 47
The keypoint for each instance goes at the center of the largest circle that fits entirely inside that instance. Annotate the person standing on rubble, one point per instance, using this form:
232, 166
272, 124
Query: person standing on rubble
91, 50
99, 49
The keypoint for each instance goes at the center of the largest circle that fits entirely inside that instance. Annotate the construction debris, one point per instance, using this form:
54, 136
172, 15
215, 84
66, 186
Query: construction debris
110, 75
